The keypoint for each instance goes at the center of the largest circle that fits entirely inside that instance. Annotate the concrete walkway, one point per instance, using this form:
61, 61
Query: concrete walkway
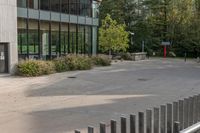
60, 103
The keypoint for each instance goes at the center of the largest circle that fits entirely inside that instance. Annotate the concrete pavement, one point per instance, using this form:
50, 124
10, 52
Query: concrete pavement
60, 103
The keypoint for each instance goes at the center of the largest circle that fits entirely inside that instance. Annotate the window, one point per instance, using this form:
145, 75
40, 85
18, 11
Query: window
54, 39
55, 5
81, 39
33, 4
65, 6
44, 39
72, 38
88, 40
44, 5
22, 37
21, 3
33, 39
64, 38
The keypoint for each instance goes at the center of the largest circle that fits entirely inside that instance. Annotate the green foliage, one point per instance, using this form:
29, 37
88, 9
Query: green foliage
73, 62
101, 60
113, 36
154, 21
31, 68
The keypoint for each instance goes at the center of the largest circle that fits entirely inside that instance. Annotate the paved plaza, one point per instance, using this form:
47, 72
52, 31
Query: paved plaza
62, 102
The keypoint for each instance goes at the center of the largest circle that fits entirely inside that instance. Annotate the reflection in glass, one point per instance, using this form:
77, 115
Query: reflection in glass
33, 39
22, 36
54, 39
44, 5
21, 3
44, 38
33, 4
64, 38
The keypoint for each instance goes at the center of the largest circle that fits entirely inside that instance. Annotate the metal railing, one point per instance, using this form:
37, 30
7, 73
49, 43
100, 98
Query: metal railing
192, 129
182, 116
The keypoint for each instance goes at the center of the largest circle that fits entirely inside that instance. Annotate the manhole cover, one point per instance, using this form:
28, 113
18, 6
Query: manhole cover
72, 77
143, 79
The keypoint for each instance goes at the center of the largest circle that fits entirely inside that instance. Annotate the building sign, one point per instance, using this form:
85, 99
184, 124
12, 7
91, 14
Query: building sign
165, 43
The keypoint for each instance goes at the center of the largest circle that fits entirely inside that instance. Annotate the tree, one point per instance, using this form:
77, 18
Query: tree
113, 36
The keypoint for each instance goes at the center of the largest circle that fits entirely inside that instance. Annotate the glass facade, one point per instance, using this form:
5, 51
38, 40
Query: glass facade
48, 39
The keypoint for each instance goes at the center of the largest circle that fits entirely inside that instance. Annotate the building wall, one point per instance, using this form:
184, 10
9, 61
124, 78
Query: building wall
8, 29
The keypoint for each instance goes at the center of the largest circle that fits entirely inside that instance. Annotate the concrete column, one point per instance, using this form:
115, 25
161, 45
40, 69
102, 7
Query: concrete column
8, 30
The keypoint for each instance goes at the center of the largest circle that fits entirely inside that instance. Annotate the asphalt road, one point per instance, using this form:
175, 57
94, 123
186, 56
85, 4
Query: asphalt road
60, 103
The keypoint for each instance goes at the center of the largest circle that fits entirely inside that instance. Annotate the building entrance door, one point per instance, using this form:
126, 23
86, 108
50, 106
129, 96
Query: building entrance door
3, 58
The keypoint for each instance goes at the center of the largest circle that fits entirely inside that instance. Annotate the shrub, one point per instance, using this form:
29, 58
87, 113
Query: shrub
101, 60
31, 68
72, 62
126, 56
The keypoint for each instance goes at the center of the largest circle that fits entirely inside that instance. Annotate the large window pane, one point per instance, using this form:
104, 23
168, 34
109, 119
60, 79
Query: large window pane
21, 3
72, 38
22, 37
33, 39
55, 5
81, 39
44, 38
33, 4
65, 6
88, 40
73, 7
44, 4
54, 39
64, 38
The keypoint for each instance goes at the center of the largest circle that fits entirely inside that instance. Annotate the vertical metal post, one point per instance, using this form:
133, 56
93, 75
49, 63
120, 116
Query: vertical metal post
102, 128
90, 130
76, 131
195, 111
175, 111
148, 121
198, 107
186, 106
141, 122
181, 114
123, 125
156, 120
169, 118
190, 111
176, 127
113, 124
132, 124
162, 119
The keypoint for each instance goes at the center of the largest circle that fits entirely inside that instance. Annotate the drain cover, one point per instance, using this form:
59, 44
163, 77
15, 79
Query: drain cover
72, 77
143, 79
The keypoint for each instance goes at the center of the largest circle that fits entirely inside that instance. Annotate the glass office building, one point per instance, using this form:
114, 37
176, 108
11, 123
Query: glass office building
48, 29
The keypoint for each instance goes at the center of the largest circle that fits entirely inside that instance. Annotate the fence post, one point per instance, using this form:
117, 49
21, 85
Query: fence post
176, 127
77, 131
185, 109
195, 112
198, 107
102, 128
90, 130
132, 124
113, 124
190, 111
175, 113
162, 119
123, 125
141, 122
169, 118
148, 121
181, 114
156, 120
